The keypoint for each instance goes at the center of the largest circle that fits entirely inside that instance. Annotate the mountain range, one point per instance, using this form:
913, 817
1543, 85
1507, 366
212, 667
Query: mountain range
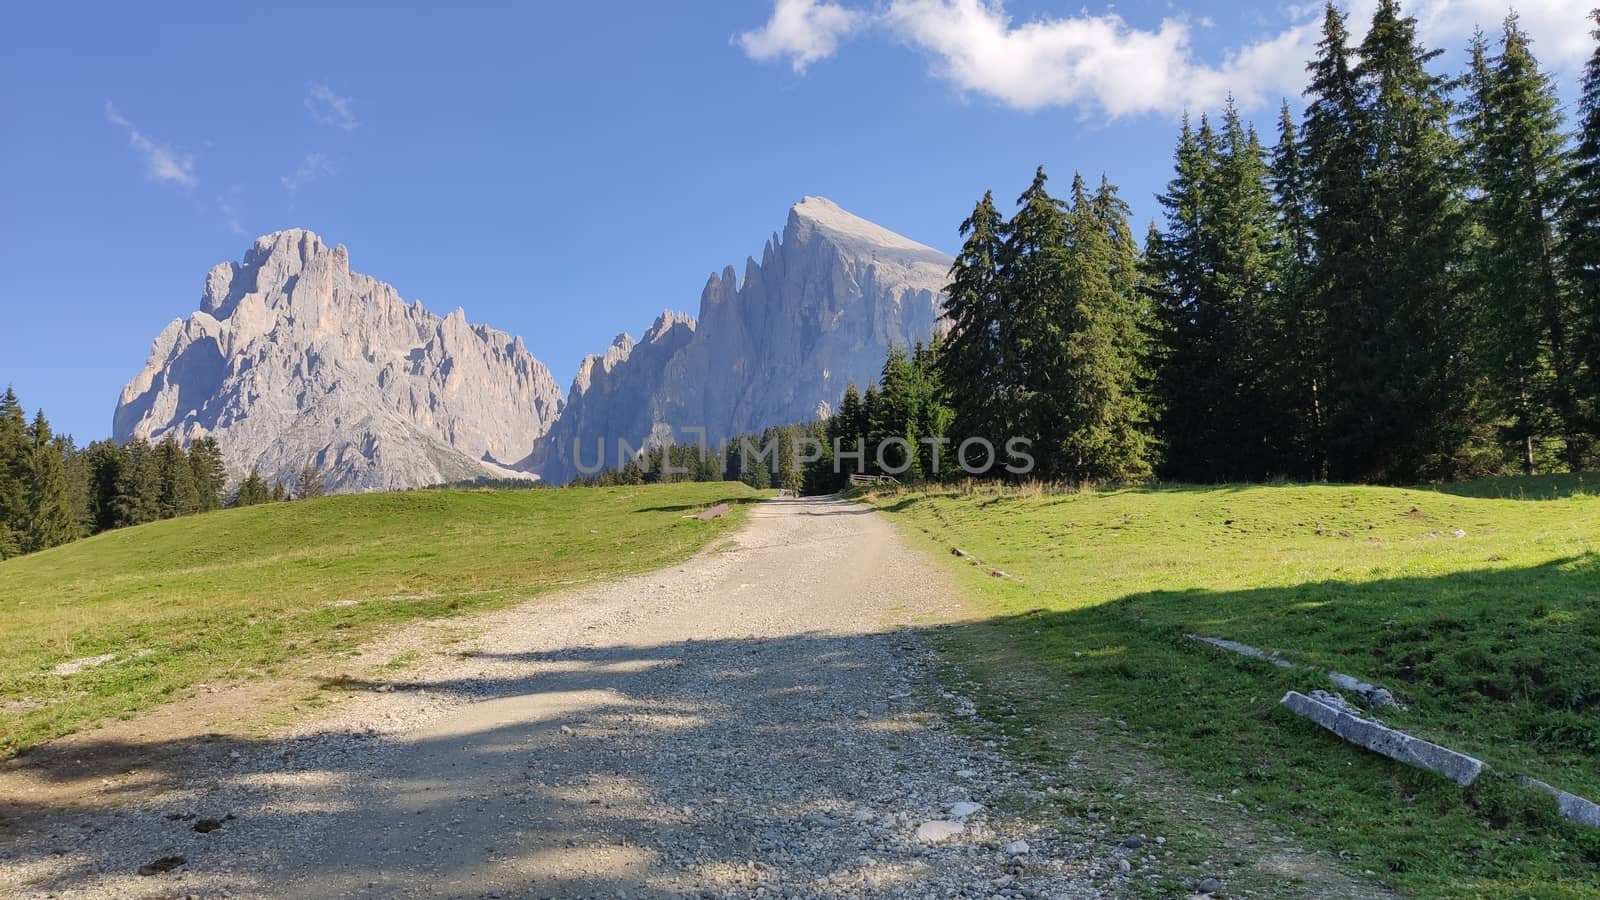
293, 358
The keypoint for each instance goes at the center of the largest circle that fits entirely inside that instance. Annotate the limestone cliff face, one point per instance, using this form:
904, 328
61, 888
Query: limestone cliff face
819, 310
614, 396
294, 358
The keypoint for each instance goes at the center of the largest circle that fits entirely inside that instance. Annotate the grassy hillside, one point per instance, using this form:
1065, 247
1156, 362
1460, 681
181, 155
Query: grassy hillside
240, 592
1480, 605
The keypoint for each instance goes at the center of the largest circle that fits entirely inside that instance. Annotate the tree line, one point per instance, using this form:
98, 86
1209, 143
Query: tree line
1405, 287
53, 492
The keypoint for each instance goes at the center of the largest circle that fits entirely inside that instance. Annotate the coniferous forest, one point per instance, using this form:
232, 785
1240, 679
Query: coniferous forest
52, 491
1404, 286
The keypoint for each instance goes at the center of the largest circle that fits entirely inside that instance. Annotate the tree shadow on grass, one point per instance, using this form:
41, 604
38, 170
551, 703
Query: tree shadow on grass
731, 500
1559, 486
1501, 663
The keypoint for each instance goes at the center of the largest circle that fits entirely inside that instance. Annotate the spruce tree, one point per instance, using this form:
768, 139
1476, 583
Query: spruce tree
252, 490
1216, 274
1338, 280
932, 416
974, 362
896, 415
1301, 375
1175, 263
310, 483
205, 457
1581, 229
108, 464
1524, 323
872, 427
177, 496
1387, 227
1099, 390
50, 518
1034, 284
848, 426
75, 465
16, 466
1407, 414
140, 493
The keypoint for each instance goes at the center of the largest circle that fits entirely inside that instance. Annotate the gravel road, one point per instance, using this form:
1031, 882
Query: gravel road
755, 722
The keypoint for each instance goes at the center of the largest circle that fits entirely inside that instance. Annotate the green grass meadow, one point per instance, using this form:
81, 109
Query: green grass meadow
1479, 604
242, 593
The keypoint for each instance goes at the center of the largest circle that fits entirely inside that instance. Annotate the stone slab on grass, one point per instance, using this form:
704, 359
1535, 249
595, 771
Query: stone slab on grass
1569, 806
1329, 711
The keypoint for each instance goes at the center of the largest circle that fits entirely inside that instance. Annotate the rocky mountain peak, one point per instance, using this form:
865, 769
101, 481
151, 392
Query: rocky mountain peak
819, 309
816, 217
293, 358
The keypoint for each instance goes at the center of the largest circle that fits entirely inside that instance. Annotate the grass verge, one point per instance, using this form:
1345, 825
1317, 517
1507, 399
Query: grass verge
134, 616
1481, 610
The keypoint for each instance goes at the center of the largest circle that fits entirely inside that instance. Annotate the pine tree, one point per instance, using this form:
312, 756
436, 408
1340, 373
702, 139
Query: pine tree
310, 482
975, 363
757, 474
1098, 391
1524, 323
1216, 275
1175, 261
108, 464
932, 417
140, 493
846, 428
16, 466
75, 466
252, 490
1387, 229
177, 496
50, 519
1581, 229
279, 492
205, 457
1301, 375
1033, 284
872, 417
1337, 281
818, 477
1407, 415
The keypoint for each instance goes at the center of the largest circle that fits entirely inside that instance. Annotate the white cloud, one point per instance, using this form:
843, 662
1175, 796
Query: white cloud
1091, 61
804, 31
162, 162
1101, 62
312, 167
1560, 29
328, 108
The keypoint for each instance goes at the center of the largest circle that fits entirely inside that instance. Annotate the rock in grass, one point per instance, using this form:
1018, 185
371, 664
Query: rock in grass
1207, 886
964, 809
1375, 697
1331, 712
938, 831
1569, 806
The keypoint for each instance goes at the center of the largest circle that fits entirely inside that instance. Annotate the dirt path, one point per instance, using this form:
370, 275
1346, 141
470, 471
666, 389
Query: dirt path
754, 722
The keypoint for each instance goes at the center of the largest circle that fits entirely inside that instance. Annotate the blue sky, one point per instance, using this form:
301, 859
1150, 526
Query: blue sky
566, 171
